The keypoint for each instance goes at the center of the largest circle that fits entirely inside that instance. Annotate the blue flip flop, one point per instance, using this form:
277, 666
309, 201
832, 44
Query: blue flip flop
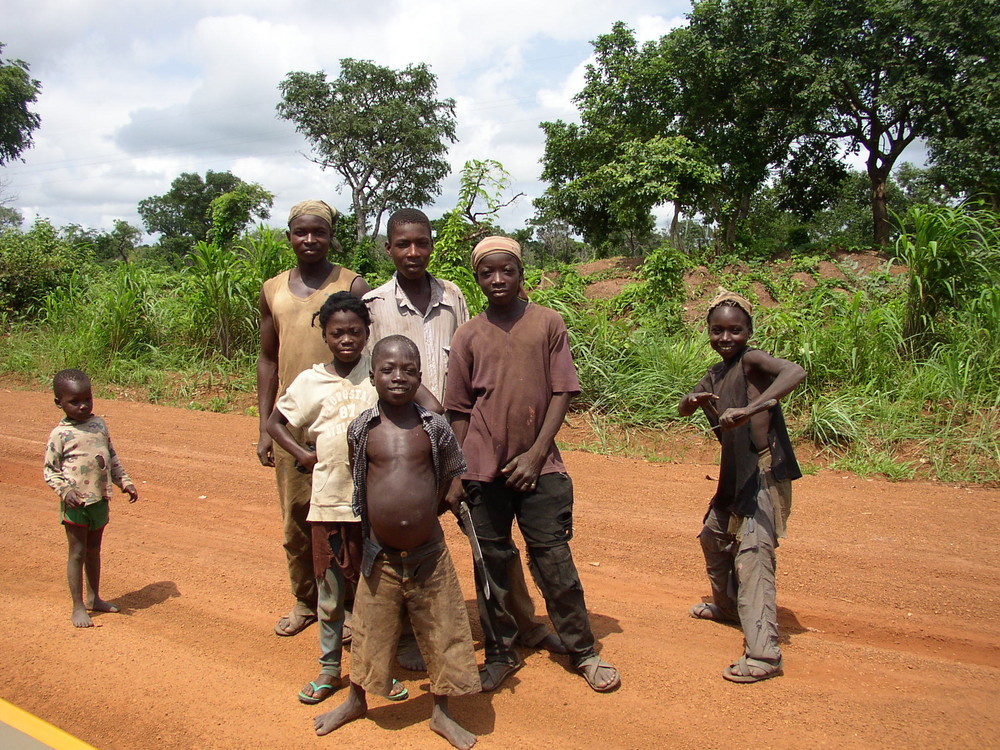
312, 700
402, 695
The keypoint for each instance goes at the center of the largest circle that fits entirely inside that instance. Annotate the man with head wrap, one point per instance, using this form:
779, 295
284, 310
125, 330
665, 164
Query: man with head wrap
288, 345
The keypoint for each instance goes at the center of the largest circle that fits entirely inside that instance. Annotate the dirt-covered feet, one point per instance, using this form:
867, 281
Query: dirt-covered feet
444, 725
355, 706
81, 619
319, 689
99, 605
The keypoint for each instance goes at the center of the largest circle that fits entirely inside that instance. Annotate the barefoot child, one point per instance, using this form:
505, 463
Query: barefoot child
320, 403
81, 465
747, 515
428, 311
404, 459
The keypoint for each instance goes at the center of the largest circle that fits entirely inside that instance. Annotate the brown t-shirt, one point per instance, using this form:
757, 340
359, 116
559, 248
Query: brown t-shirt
504, 381
300, 344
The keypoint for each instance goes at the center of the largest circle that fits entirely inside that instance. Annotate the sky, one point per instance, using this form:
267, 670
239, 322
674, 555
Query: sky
135, 92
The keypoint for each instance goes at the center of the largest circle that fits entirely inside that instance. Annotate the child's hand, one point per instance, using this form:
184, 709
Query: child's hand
131, 491
702, 398
306, 463
455, 495
734, 417
522, 472
73, 499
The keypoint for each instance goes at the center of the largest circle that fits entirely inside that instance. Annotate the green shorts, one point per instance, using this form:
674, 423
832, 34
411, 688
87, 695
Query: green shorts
93, 516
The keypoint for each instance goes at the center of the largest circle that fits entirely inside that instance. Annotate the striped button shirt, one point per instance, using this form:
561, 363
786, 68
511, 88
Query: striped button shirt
393, 313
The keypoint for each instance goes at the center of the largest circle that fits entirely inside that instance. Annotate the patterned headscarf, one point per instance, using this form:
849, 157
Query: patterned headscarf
496, 245
314, 208
733, 300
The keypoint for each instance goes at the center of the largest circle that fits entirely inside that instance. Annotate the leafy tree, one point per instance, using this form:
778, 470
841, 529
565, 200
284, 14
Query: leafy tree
882, 74
483, 183
32, 264
183, 215
383, 131
10, 218
17, 121
691, 119
233, 211
965, 150
117, 244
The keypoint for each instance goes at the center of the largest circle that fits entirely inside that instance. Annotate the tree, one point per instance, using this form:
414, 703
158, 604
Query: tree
883, 74
183, 215
691, 113
383, 131
233, 211
965, 150
17, 121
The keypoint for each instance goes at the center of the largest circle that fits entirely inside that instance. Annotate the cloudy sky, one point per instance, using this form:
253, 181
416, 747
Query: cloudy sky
136, 92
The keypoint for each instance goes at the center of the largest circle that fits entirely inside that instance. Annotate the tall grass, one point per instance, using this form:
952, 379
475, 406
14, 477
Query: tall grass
902, 370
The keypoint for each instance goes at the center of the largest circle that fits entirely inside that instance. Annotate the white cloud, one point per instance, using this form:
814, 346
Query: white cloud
134, 93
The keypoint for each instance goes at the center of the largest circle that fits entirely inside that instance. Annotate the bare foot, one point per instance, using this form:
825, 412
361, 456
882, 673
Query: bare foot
355, 706
411, 659
443, 724
81, 619
100, 605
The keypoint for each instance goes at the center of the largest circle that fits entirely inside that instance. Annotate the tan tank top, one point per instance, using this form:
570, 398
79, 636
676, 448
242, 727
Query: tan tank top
300, 344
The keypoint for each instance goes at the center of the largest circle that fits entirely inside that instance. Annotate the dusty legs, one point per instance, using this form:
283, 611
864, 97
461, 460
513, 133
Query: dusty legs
85, 557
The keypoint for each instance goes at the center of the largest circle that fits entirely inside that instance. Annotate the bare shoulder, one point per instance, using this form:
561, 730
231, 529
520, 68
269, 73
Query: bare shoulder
759, 361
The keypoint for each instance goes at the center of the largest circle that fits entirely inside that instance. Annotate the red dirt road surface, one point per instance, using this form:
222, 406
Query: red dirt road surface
888, 595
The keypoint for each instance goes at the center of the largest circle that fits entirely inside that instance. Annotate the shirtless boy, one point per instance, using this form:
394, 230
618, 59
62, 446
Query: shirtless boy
404, 459
747, 515
428, 311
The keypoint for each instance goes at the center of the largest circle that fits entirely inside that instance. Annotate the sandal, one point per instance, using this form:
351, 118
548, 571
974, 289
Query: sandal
320, 691
709, 611
753, 670
398, 691
293, 623
493, 674
591, 668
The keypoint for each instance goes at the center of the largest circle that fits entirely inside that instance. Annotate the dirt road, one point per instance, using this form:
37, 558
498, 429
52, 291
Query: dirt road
889, 603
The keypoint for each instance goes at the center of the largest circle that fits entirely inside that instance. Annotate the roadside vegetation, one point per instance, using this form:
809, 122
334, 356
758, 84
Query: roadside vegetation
902, 356
739, 120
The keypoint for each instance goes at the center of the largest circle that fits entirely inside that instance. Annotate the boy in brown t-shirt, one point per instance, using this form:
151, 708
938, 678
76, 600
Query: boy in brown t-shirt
510, 381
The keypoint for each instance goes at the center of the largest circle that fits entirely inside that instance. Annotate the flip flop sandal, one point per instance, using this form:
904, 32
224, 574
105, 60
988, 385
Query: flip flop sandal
312, 700
293, 624
402, 695
589, 669
742, 671
709, 611
493, 674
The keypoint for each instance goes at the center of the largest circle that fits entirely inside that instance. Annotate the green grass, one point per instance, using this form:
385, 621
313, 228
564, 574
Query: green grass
879, 399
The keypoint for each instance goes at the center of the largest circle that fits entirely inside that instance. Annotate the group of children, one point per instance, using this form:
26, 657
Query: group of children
385, 464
